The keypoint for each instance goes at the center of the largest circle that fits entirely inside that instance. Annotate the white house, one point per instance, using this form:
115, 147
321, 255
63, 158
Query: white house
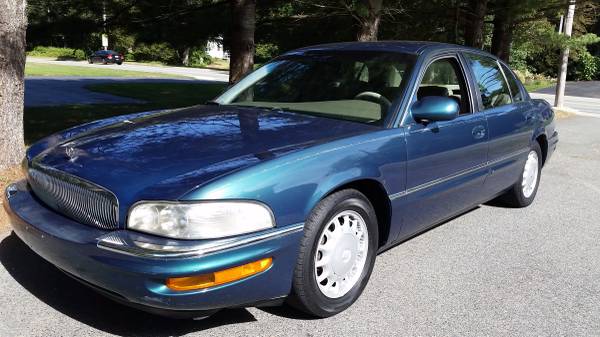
214, 48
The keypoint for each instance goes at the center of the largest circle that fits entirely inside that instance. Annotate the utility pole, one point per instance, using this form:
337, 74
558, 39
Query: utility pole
105, 31
564, 58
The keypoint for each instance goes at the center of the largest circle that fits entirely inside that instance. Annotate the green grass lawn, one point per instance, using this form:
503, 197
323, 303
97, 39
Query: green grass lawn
43, 121
41, 69
534, 85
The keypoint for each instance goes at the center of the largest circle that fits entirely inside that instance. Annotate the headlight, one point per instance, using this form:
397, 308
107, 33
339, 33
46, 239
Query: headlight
200, 220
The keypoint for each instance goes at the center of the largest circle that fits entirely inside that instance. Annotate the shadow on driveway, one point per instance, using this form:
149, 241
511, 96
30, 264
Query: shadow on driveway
81, 303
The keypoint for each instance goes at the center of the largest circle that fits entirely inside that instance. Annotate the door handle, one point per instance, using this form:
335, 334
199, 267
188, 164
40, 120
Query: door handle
478, 132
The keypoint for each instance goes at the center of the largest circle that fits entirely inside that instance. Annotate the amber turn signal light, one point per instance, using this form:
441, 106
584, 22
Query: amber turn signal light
219, 277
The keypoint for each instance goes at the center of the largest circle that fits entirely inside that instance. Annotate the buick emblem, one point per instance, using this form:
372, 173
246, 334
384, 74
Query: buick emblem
70, 151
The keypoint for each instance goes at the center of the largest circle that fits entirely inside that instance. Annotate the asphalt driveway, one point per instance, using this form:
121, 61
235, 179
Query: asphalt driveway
491, 272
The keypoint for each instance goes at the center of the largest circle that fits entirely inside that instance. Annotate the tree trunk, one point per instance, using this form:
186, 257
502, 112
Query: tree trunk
369, 24
474, 23
185, 59
13, 24
242, 38
503, 31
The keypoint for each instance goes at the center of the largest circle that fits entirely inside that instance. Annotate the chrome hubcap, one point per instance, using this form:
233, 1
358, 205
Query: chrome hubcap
341, 253
530, 174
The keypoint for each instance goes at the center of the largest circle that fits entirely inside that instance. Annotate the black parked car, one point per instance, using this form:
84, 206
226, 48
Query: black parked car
106, 57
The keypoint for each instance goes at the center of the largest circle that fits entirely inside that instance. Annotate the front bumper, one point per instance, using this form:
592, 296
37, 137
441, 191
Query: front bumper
121, 264
114, 60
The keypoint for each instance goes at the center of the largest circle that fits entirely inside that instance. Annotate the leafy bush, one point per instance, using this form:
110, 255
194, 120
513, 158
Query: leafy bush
159, 52
199, 58
265, 51
537, 48
58, 53
533, 82
585, 68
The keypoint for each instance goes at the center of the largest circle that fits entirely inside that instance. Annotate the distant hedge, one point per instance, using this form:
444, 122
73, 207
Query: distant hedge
58, 53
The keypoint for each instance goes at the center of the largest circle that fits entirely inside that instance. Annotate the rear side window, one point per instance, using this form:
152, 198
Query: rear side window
512, 83
492, 86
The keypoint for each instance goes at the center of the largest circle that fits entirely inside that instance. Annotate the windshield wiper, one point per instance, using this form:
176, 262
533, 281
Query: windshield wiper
211, 102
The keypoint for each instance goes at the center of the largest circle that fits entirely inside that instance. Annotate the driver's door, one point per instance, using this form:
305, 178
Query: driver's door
446, 161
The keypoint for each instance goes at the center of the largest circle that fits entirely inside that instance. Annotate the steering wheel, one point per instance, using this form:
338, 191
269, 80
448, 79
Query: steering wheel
374, 97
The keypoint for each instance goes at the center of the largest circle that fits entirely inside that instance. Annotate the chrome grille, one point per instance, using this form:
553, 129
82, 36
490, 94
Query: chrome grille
75, 198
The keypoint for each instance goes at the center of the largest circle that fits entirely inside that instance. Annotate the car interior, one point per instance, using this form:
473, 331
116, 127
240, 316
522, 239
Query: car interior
356, 89
444, 78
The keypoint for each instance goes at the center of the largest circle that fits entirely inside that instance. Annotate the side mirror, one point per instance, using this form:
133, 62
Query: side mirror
434, 108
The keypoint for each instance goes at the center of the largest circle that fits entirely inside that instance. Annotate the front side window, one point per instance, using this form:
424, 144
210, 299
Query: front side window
356, 86
444, 78
512, 83
492, 86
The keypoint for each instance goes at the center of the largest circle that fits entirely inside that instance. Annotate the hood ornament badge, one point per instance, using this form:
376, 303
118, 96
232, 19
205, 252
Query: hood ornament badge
72, 153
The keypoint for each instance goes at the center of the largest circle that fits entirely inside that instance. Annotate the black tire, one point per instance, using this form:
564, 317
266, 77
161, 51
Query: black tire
104, 61
90, 61
119, 63
515, 196
306, 295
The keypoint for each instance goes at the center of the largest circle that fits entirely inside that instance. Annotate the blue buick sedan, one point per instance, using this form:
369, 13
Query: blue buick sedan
287, 185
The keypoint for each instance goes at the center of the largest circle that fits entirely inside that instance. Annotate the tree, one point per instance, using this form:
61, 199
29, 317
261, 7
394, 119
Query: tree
243, 14
503, 29
13, 26
474, 23
508, 14
368, 16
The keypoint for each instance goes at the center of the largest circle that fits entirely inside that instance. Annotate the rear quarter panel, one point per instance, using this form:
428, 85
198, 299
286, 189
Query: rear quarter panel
513, 129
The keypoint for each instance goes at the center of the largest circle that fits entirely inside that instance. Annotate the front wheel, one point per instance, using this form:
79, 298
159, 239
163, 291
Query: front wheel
337, 254
524, 191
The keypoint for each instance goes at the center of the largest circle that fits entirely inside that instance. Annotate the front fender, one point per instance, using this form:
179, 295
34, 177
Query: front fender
294, 183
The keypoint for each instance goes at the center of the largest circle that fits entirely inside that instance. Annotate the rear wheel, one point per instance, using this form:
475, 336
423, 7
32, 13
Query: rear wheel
337, 254
524, 191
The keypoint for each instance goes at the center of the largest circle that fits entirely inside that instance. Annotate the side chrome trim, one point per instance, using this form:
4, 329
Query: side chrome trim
508, 156
139, 245
456, 175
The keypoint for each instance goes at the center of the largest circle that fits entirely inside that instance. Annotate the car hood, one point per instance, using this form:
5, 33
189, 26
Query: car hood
163, 155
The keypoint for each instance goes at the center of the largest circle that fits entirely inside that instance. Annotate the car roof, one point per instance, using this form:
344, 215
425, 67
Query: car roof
409, 47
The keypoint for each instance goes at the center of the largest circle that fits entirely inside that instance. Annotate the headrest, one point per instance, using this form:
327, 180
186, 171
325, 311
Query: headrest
432, 91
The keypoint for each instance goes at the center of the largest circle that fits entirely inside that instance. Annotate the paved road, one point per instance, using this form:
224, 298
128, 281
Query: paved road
491, 272
52, 91
582, 98
580, 105
196, 73
590, 89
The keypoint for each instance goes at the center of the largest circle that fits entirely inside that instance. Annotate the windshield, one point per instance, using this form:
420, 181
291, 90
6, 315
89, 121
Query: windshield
356, 86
